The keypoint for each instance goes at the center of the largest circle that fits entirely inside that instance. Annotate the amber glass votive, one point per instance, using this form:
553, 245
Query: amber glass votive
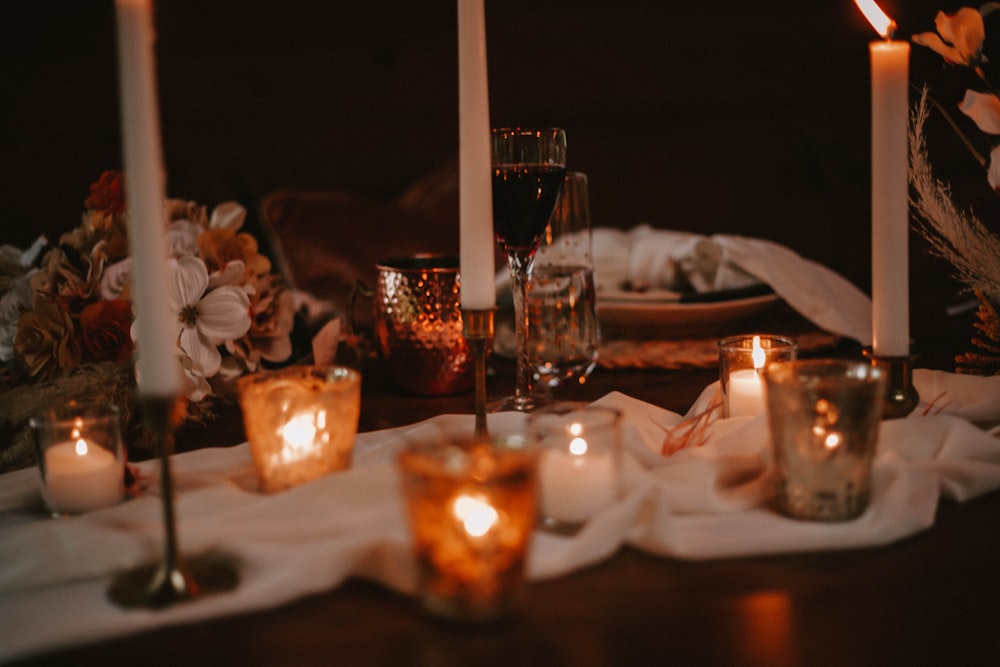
741, 364
472, 509
301, 422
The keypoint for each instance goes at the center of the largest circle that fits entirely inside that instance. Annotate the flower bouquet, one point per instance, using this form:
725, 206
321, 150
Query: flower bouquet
955, 234
66, 319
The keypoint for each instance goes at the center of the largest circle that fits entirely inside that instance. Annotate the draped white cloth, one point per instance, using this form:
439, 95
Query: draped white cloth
711, 501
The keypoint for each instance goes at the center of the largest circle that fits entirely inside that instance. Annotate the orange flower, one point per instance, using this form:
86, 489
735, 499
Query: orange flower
219, 247
104, 331
107, 194
45, 341
272, 320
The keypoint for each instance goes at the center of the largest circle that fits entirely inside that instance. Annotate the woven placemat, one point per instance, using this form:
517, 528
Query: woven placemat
688, 353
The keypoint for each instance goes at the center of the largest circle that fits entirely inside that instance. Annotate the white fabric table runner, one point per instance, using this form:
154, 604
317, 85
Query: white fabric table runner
706, 502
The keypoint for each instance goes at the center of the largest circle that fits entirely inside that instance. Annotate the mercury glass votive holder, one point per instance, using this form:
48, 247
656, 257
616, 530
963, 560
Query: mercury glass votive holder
579, 467
824, 419
301, 422
741, 363
80, 457
472, 507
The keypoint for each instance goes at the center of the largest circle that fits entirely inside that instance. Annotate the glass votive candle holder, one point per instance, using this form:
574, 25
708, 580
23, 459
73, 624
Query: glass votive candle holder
824, 418
472, 508
579, 467
301, 422
81, 457
741, 363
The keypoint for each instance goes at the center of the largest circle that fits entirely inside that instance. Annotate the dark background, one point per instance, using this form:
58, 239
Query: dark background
730, 116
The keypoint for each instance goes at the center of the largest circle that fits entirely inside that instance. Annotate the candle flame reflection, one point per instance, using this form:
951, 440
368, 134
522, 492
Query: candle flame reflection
578, 446
81, 447
883, 25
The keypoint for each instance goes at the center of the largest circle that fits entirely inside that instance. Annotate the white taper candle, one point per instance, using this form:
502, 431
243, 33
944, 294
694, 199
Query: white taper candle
476, 241
157, 363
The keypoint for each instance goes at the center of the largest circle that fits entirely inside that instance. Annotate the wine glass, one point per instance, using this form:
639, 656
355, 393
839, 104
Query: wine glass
529, 166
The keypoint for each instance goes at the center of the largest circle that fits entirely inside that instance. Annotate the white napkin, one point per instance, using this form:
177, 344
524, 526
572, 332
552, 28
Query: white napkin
649, 258
710, 501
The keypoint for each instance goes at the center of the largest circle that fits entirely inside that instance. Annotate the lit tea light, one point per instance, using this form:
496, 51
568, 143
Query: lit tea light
81, 465
81, 476
746, 388
741, 363
475, 513
300, 422
579, 466
472, 508
299, 434
576, 482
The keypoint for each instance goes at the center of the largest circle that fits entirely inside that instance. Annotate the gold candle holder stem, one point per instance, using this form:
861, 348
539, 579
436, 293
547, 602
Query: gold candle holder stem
478, 329
901, 397
171, 579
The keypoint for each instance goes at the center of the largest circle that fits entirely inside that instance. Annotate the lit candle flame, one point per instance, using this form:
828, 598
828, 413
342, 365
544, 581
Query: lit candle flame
759, 357
475, 513
81, 447
883, 25
299, 434
578, 446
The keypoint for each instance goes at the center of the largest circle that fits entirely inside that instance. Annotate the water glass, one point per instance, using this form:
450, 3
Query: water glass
563, 329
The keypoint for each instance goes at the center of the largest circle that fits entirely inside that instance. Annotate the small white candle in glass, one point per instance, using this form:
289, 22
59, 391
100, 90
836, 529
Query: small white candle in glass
741, 361
81, 458
580, 462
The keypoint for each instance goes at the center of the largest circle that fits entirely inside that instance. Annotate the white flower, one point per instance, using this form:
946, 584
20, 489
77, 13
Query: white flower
115, 278
227, 215
960, 38
205, 318
182, 238
984, 110
18, 298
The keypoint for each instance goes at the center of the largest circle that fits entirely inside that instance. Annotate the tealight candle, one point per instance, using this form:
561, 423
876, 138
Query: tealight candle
472, 508
579, 467
80, 458
81, 476
300, 422
741, 362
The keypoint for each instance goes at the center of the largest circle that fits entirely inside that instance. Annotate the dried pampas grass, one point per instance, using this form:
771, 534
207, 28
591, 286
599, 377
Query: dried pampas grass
956, 235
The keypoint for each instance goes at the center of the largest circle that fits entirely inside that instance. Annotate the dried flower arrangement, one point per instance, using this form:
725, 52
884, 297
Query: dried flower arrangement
66, 315
958, 235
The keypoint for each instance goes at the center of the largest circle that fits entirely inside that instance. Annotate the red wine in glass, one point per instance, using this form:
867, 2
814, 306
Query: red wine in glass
524, 196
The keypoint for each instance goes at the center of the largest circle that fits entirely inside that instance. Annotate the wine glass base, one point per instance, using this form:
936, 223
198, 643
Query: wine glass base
518, 403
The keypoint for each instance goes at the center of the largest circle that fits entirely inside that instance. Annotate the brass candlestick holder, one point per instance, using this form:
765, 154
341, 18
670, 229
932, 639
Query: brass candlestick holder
478, 329
173, 578
901, 396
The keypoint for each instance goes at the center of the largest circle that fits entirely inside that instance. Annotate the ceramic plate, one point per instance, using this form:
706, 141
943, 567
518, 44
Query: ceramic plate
670, 315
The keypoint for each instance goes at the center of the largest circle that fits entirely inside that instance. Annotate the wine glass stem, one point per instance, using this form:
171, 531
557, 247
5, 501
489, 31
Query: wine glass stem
520, 268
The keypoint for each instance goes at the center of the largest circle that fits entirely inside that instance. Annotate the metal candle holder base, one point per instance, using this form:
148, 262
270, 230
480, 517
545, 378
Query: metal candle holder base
901, 396
478, 328
172, 579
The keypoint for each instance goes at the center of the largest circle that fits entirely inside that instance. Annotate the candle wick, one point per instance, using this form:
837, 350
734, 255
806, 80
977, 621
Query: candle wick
890, 30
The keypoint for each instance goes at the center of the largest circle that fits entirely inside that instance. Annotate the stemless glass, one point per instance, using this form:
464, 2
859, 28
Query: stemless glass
529, 166
563, 330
